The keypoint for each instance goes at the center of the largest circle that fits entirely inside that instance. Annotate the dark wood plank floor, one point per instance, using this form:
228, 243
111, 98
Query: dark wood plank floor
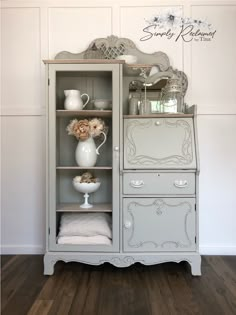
106, 290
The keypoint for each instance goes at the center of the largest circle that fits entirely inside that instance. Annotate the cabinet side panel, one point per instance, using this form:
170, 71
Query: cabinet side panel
47, 156
52, 154
116, 155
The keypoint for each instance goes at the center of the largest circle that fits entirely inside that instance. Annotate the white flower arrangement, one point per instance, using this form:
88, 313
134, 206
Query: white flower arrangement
84, 128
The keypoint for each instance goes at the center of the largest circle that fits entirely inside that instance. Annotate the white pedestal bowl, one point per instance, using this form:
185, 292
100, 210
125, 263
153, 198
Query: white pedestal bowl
86, 188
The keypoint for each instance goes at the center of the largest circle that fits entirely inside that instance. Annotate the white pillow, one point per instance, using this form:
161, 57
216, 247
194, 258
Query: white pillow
85, 224
84, 240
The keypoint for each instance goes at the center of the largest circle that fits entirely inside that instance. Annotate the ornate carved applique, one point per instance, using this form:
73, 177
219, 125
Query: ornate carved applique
121, 261
141, 159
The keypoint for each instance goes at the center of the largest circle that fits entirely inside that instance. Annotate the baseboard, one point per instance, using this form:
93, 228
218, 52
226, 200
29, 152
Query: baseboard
22, 249
217, 250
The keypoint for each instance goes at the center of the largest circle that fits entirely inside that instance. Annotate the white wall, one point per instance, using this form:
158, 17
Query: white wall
36, 30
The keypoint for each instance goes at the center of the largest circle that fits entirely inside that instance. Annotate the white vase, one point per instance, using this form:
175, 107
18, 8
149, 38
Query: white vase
85, 153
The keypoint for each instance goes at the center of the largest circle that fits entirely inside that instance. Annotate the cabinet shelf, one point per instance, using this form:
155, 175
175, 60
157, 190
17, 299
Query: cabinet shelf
84, 61
88, 113
75, 207
84, 168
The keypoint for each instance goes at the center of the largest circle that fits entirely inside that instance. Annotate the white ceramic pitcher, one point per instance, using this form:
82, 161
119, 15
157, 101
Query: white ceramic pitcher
73, 100
86, 152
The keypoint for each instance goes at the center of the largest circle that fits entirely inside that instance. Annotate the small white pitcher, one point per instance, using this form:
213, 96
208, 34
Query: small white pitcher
73, 100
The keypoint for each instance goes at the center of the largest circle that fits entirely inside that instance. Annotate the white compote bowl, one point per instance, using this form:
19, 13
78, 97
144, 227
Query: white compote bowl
86, 188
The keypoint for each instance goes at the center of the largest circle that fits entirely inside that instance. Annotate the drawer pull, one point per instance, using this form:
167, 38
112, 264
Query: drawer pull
137, 183
181, 183
127, 224
157, 123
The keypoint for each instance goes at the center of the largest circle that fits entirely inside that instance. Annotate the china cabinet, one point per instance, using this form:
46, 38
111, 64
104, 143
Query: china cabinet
148, 167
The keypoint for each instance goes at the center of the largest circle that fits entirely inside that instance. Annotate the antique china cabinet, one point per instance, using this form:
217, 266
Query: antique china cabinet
148, 167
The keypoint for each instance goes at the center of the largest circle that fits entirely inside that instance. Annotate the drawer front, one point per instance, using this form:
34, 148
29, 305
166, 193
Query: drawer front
158, 224
159, 143
158, 183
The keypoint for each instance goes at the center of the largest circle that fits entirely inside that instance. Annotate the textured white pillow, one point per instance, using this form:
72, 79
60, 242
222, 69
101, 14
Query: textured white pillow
84, 240
85, 224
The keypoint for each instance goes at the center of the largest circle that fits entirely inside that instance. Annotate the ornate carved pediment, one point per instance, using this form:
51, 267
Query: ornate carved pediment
113, 46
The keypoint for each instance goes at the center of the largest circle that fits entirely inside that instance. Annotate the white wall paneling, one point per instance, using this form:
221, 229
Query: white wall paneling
20, 61
36, 30
217, 182
213, 63
23, 206
73, 29
44, 53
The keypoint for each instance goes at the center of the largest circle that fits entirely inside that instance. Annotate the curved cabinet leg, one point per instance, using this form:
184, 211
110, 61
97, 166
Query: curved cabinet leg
196, 265
49, 262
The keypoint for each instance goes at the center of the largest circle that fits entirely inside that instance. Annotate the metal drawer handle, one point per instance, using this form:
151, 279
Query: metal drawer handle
181, 183
127, 224
137, 183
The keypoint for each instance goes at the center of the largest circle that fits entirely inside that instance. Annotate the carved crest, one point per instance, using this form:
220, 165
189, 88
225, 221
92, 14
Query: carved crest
113, 46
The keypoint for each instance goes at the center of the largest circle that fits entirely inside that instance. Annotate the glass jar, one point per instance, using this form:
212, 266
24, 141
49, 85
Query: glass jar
171, 98
145, 107
133, 105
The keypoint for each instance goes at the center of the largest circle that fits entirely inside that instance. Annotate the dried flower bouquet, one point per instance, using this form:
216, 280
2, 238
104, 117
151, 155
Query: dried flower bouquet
84, 128
86, 177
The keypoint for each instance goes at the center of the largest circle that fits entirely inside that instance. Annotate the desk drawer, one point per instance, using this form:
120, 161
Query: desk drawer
158, 183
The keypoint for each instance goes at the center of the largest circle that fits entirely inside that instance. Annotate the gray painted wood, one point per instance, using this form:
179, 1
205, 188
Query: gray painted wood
163, 217
169, 224
122, 260
112, 47
172, 143
156, 183
62, 147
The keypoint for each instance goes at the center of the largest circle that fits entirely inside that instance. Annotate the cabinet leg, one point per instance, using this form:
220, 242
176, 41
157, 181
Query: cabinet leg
49, 263
196, 266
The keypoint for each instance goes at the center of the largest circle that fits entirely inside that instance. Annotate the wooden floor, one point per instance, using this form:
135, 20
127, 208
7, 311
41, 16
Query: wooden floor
105, 290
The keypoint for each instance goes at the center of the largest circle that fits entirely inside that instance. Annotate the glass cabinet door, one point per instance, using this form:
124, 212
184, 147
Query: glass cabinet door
74, 226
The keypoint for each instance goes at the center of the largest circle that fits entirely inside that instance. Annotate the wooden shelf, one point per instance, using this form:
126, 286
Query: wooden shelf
159, 116
83, 61
87, 113
75, 207
84, 168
